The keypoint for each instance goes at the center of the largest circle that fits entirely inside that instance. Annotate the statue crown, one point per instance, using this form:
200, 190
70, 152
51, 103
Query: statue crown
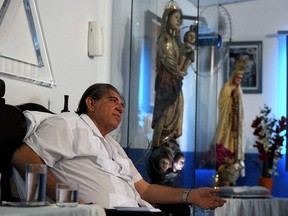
171, 5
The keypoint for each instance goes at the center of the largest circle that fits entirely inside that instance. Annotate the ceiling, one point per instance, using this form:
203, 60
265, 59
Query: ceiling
222, 2
232, 1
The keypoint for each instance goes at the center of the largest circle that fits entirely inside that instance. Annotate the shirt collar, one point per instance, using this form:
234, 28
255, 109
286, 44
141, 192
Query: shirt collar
91, 124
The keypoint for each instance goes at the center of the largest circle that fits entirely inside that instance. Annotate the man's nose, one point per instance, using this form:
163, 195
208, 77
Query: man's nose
120, 108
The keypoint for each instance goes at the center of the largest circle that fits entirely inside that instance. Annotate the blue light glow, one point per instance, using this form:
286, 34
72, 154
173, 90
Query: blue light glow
144, 79
282, 80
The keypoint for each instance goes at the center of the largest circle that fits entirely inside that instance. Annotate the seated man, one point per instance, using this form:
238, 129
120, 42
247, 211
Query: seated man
77, 148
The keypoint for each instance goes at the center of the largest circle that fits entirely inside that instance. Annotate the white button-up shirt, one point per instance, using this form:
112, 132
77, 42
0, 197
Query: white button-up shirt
77, 152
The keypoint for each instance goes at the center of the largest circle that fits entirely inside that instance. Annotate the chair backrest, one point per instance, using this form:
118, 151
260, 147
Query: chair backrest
12, 131
13, 128
33, 107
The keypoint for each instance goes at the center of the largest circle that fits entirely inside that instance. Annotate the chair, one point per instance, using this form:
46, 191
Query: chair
13, 129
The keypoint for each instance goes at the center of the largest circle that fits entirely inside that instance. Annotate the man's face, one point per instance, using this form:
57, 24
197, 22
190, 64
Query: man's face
108, 112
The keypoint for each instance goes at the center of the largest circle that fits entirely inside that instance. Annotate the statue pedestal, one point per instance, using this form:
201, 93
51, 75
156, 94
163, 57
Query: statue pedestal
228, 174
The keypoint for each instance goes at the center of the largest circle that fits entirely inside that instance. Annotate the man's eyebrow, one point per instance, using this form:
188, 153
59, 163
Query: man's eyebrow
117, 99
113, 97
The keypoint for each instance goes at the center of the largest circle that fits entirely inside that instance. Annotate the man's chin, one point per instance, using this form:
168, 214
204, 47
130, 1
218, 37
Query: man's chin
116, 124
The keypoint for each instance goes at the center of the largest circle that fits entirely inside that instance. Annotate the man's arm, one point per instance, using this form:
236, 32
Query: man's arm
158, 194
25, 155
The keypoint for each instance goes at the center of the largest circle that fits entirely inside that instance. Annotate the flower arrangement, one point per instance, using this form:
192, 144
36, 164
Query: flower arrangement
217, 155
270, 133
223, 155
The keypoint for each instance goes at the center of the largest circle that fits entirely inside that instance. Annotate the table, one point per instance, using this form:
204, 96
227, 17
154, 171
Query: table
253, 207
53, 210
80, 210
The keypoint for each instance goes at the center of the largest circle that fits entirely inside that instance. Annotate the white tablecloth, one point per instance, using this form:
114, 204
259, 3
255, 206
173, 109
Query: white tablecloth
254, 207
53, 210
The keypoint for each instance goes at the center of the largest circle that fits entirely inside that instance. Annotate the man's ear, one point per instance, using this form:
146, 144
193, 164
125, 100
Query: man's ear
90, 103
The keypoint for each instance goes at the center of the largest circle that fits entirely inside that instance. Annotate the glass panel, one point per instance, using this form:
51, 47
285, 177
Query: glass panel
199, 87
209, 61
146, 23
20, 20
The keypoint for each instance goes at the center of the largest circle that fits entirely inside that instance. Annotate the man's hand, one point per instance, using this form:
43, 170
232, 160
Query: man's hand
205, 198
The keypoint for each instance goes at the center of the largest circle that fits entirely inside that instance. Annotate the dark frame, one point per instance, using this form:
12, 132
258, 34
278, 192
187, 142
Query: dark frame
252, 52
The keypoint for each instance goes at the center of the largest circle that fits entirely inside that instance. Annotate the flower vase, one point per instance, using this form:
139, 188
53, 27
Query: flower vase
266, 182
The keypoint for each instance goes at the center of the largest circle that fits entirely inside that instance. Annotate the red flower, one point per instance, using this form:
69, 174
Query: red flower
222, 154
256, 122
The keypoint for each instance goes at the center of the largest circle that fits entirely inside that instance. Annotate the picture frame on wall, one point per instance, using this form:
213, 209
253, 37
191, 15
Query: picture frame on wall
251, 52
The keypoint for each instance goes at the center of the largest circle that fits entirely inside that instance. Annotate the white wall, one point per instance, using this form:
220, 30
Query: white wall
65, 24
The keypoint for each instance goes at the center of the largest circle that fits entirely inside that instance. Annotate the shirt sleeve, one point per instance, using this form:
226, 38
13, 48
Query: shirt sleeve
52, 142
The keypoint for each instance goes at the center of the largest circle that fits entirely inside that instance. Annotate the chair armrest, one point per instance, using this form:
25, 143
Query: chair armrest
114, 212
176, 209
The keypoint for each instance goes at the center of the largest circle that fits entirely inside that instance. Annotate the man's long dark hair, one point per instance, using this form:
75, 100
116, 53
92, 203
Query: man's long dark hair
96, 91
